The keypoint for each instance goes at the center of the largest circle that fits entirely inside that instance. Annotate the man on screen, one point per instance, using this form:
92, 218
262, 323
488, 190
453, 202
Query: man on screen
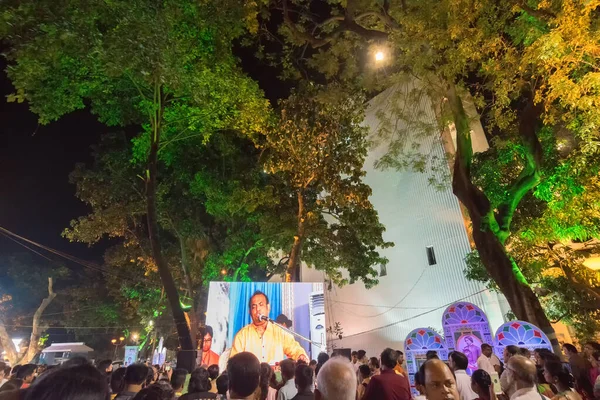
265, 340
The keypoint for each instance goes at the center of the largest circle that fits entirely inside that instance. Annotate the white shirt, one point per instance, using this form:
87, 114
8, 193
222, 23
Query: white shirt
484, 363
506, 388
530, 393
287, 391
463, 384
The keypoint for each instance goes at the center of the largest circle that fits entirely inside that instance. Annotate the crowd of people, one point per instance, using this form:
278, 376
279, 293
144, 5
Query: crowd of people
540, 375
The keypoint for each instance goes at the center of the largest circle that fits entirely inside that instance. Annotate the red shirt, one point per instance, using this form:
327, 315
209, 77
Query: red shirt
388, 386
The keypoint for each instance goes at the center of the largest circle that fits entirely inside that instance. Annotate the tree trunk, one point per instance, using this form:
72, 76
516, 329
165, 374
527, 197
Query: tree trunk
293, 270
188, 283
500, 266
36, 331
11, 352
183, 331
7, 344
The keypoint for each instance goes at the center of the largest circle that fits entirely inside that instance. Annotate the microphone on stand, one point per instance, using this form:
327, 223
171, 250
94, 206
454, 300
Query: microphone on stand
265, 318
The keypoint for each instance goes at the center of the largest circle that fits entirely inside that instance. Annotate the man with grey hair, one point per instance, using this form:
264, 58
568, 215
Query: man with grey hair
521, 378
336, 380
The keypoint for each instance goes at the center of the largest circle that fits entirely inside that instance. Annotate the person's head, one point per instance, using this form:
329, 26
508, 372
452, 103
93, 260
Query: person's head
223, 383
524, 352
178, 378
589, 348
26, 372
199, 381
117, 380
556, 374
389, 359
70, 383
374, 364
265, 378
136, 374
361, 354
400, 357
282, 319
152, 375
336, 380
213, 371
486, 350
12, 384
322, 358
509, 351
303, 377
7, 372
522, 372
543, 355
288, 368
569, 350
2, 368
313, 364
431, 355
438, 380
244, 374
364, 371
14, 370
207, 338
259, 305
105, 366
354, 356
458, 361
75, 361
156, 391
480, 383
468, 340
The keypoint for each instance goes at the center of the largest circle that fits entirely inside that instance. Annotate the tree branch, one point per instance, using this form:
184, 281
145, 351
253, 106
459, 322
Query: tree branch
529, 177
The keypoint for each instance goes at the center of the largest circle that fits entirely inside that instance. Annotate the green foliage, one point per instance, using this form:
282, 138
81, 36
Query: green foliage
318, 150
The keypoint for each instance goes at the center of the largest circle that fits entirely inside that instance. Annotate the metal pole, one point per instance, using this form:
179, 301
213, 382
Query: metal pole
320, 345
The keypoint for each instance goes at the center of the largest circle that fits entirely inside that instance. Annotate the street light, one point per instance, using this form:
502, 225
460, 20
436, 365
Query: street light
379, 56
117, 344
134, 336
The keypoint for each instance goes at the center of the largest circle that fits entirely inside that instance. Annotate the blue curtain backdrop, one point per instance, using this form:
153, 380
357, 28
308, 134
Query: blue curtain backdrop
239, 296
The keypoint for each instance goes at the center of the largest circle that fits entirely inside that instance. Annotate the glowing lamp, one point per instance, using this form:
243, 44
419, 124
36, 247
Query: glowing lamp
224, 272
134, 336
150, 322
113, 341
379, 56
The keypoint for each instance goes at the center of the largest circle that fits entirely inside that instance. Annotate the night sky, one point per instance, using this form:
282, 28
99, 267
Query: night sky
36, 199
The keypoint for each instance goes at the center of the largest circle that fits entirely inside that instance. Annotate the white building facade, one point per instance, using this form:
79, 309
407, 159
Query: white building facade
425, 270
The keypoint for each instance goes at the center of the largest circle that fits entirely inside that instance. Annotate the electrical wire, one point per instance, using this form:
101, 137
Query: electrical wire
414, 316
66, 256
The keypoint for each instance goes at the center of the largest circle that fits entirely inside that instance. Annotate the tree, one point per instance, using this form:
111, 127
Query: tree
318, 149
529, 66
20, 285
165, 66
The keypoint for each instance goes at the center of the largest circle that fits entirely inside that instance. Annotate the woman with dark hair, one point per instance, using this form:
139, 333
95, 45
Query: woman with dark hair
266, 391
364, 377
117, 381
199, 386
321, 359
82, 382
480, 384
374, 365
156, 391
223, 385
543, 387
213, 374
556, 374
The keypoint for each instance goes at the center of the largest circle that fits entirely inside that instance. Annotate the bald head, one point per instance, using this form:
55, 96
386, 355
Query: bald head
336, 380
523, 371
439, 382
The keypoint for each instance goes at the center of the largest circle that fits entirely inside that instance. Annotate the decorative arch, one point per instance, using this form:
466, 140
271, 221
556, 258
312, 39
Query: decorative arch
417, 344
521, 334
466, 328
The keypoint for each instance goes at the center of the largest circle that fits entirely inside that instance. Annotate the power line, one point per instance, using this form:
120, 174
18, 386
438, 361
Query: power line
414, 316
69, 257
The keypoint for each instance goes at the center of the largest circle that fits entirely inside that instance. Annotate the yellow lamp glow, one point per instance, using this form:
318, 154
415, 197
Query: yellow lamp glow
379, 56
113, 341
